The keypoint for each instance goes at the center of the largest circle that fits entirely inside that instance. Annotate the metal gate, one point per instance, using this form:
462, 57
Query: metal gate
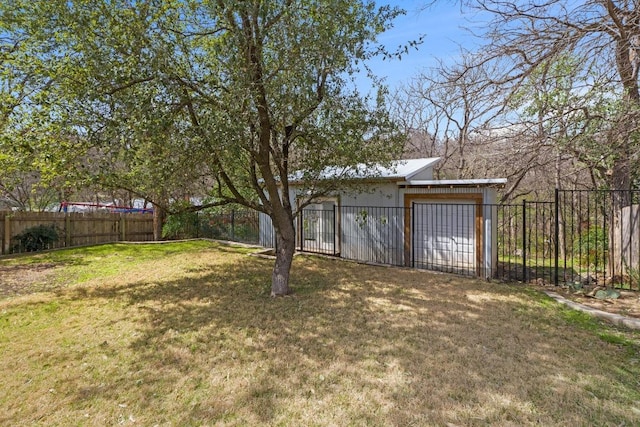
444, 237
317, 231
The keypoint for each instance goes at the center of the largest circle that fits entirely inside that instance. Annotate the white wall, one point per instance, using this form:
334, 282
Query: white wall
425, 175
379, 195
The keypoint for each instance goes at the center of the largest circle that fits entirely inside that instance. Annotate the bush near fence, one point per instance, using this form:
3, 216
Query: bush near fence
238, 225
75, 229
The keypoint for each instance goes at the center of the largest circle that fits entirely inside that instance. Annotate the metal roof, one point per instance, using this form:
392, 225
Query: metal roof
399, 169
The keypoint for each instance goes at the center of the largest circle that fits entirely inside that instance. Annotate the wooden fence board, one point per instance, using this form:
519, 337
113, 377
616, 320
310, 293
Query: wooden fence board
76, 229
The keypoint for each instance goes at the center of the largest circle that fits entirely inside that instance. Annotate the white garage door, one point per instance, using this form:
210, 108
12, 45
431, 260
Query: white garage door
444, 236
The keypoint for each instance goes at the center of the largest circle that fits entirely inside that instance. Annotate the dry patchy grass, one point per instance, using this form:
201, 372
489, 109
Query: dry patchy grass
191, 337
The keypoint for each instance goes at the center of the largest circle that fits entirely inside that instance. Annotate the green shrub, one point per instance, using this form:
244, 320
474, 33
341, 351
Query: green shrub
183, 225
591, 246
228, 224
36, 238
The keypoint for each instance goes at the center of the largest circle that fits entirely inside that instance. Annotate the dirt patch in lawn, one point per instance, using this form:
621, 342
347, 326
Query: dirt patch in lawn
26, 279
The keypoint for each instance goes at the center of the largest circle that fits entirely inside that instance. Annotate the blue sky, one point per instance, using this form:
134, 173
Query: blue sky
440, 24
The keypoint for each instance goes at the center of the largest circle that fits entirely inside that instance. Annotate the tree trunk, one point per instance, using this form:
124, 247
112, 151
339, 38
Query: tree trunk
285, 248
159, 215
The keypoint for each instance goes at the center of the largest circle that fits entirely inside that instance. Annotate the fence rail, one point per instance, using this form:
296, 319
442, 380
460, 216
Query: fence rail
74, 229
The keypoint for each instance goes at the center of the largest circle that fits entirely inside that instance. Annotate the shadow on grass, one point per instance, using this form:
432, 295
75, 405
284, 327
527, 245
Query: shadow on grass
51, 271
363, 345
513, 272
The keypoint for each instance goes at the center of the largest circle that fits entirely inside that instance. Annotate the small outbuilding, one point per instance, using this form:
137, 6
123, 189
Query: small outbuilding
401, 216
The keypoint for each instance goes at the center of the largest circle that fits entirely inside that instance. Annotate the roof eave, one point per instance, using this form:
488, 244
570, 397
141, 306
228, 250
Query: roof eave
491, 182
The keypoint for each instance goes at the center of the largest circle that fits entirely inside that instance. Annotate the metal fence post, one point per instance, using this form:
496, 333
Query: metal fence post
413, 235
302, 230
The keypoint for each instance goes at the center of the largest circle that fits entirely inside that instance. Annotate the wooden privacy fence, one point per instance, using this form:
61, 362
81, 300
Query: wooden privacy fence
76, 229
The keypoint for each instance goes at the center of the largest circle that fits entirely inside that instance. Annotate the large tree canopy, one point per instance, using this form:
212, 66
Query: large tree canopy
22, 83
231, 96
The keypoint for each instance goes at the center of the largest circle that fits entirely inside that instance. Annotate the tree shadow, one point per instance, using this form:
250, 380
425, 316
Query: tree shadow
361, 345
514, 272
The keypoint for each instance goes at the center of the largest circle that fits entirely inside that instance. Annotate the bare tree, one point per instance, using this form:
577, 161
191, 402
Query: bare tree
600, 36
452, 105
419, 121
550, 100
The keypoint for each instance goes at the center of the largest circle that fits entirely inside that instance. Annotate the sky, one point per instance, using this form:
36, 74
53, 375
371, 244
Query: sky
441, 24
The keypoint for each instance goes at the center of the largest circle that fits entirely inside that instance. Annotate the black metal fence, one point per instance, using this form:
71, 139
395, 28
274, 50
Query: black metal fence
373, 234
379, 235
580, 238
318, 230
238, 225
435, 236
525, 242
235, 225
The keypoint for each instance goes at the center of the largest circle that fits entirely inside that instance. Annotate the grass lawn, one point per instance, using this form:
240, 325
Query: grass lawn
186, 334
